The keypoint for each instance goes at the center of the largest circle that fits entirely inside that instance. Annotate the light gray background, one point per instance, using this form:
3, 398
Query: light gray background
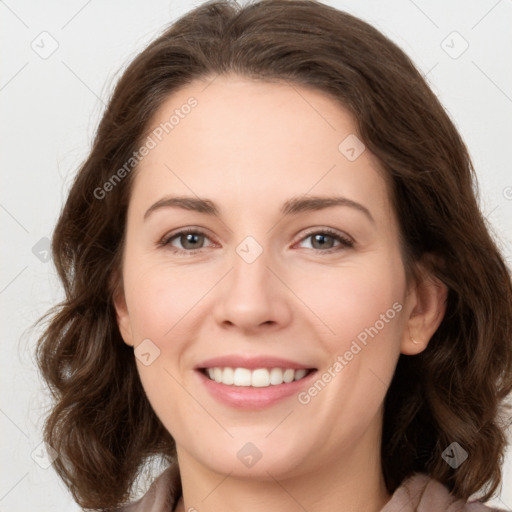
50, 106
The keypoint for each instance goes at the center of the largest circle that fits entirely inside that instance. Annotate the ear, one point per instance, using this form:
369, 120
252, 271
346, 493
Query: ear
426, 306
122, 315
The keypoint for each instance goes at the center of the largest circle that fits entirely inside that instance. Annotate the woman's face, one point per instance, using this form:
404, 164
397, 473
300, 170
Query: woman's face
295, 264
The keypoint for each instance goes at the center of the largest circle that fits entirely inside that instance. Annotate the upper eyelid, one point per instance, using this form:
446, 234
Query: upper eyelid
329, 231
175, 234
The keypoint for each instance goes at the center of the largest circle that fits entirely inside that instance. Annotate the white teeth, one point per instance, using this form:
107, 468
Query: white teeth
241, 377
288, 375
259, 378
217, 374
299, 374
276, 376
228, 376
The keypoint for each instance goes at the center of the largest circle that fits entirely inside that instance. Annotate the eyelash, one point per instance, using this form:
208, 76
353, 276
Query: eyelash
345, 243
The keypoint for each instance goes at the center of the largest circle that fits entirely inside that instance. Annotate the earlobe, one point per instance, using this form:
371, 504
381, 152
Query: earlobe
427, 313
414, 341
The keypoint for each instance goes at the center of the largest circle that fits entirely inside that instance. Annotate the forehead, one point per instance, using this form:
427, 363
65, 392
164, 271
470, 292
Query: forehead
244, 140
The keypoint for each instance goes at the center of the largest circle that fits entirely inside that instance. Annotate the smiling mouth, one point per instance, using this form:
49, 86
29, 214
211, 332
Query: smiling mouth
257, 378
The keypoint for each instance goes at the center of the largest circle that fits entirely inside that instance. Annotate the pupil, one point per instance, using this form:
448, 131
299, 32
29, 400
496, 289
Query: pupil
191, 238
321, 239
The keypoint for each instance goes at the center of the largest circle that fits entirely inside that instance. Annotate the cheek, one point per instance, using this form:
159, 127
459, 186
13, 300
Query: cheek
356, 302
163, 304
160, 297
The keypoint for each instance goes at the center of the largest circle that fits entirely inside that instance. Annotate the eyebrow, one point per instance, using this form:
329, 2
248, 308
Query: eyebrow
293, 206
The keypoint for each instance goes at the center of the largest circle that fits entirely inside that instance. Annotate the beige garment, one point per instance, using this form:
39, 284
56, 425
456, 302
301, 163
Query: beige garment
418, 493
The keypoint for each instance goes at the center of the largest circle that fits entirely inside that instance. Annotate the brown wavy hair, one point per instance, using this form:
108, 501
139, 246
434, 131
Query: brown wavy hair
101, 422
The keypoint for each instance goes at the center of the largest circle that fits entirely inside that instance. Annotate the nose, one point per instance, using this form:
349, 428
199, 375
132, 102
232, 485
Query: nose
252, 298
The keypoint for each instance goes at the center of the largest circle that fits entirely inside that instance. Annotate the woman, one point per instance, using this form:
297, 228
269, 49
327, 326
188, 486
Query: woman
278, 280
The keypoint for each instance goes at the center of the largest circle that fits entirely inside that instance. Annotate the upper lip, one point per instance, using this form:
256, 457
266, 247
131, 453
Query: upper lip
252, 363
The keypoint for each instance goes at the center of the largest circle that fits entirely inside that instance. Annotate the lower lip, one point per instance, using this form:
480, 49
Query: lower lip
248, 397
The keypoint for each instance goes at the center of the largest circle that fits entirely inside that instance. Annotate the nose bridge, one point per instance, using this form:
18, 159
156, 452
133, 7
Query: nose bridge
251, 295
250, 281
250, 268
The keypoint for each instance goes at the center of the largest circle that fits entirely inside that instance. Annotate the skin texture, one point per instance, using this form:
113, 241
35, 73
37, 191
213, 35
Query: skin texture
249, 146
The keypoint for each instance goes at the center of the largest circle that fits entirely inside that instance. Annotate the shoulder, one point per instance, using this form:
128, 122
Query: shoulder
161, 496
422, 493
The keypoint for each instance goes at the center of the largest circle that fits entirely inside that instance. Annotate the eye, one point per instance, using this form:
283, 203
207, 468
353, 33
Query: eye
327, 241
188, 240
